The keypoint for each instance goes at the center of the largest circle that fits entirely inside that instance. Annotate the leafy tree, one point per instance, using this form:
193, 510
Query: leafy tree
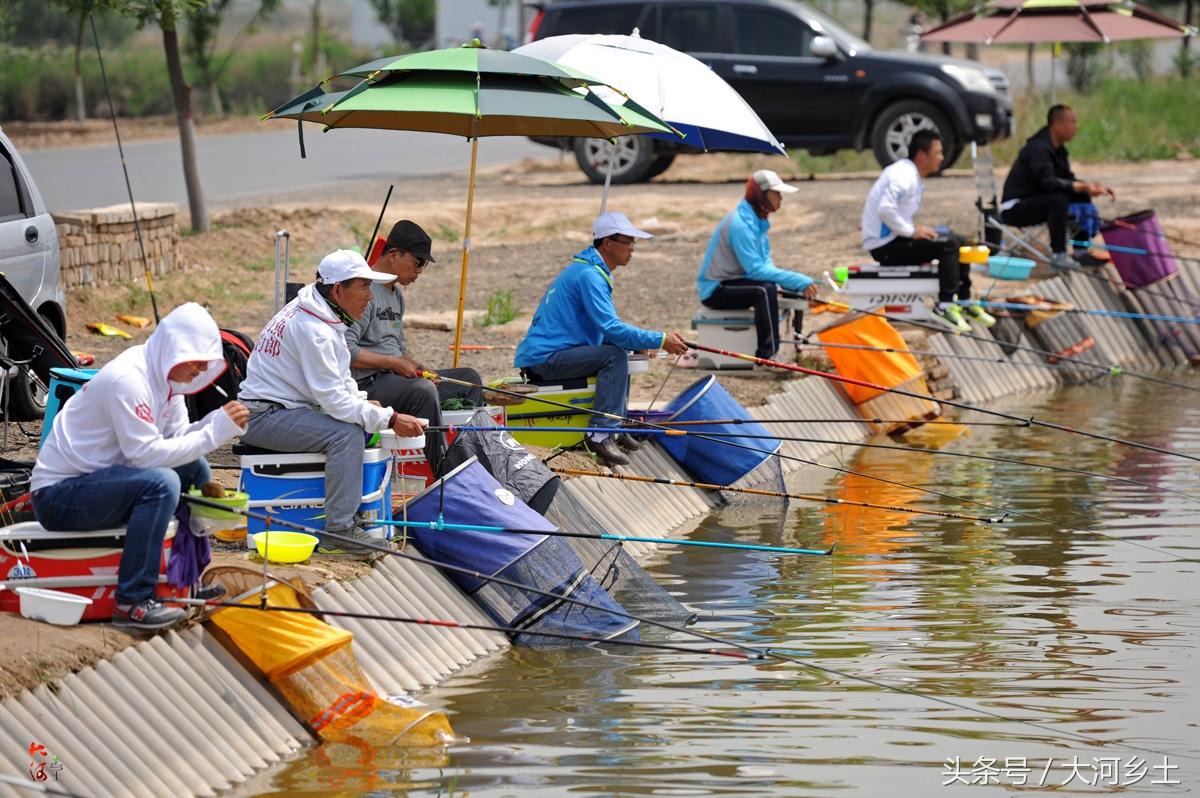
167, 14
410, 22
80, 11
204, 24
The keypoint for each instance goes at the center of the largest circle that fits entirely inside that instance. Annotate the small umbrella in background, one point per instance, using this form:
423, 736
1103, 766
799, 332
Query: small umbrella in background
471, 92
674, 86
1055, 21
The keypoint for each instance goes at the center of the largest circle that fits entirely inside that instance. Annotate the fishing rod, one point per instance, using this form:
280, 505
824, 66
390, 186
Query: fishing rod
1001, 359
1059, 308
577, 472
1142, 291
864, 420
26, 783
839, 469
952, 403
444, 526
371, 241
447, 623
887, 446
746, 447
764, 652
1113, 370
1108, 247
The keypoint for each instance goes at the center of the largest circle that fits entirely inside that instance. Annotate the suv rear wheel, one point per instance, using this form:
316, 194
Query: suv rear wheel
896, 124
635, 159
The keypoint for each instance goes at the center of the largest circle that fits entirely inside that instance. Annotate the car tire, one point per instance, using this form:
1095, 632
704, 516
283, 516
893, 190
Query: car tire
895, 125
635, 159
661, 164
26, 400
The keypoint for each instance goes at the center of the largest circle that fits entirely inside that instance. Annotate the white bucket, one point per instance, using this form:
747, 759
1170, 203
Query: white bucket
52, 606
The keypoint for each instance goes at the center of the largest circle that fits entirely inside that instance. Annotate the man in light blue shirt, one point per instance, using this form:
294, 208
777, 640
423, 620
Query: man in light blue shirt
576, 331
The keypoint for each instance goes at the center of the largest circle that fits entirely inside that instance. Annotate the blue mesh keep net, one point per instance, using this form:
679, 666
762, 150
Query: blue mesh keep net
470, 495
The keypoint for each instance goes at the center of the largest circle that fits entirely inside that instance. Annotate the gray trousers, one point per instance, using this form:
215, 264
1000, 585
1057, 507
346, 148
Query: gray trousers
305, 430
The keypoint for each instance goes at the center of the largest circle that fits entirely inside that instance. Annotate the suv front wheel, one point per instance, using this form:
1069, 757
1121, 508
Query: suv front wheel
635, 159
896, 124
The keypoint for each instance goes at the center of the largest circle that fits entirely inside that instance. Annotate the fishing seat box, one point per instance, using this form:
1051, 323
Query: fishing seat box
530, 414
734, 331
899, 291
64, 383
81, 563
291, 487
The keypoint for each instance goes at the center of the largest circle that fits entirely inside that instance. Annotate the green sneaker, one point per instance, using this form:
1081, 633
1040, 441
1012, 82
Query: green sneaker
952, 316
981, 316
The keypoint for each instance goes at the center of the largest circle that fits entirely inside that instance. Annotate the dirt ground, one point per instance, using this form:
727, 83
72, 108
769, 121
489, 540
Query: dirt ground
530, 218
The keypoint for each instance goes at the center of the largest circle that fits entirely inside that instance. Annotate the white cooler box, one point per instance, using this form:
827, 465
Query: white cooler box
899, 291
291, 487
731, 330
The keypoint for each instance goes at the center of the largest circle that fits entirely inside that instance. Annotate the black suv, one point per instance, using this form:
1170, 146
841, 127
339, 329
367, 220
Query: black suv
815, 85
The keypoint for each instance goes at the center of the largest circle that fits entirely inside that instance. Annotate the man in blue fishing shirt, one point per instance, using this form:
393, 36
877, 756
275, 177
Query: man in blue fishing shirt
576, 332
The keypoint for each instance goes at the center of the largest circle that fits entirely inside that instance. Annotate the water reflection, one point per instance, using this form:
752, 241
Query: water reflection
1035, 619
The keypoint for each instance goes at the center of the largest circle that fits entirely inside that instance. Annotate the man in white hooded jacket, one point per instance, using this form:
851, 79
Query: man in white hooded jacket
122, 450
301, 395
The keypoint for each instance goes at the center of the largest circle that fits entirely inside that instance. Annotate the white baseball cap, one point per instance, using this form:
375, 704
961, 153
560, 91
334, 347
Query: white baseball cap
769, 181
346, 264
616, 223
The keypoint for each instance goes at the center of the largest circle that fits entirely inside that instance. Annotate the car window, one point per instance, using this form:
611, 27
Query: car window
761, 31
618, 19
692, 29
10, 190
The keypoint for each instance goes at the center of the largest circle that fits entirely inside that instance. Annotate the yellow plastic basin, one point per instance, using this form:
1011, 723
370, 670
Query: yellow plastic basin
285, 546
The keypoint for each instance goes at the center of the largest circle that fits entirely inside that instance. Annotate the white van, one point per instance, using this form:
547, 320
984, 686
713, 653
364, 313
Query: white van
29, 258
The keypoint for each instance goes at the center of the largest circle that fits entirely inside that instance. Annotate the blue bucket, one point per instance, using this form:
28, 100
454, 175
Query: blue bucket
64, 383
715, 460
1006, 267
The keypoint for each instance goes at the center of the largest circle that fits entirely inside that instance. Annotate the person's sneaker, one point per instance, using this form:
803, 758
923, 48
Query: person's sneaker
208, 592
952, 316
150, 615
977, 314
1062, 262
606, 451
630, 443
368, 552
1087, 259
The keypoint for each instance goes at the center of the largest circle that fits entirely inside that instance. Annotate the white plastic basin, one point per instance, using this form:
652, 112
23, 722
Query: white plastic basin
52, 606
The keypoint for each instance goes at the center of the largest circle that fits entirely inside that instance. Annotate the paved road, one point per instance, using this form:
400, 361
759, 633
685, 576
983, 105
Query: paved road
244, 166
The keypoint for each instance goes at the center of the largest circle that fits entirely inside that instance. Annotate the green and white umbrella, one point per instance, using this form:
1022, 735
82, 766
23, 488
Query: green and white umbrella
470, 92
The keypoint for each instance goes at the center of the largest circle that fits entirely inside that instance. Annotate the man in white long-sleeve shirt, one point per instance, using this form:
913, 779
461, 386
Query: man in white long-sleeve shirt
302, 398
122, 450
893, 239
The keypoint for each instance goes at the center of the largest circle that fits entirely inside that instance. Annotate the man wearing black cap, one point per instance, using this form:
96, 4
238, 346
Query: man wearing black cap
382, 364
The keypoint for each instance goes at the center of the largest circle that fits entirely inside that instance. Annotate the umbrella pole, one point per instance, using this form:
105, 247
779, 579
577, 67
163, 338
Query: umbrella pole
466, 253
612, 157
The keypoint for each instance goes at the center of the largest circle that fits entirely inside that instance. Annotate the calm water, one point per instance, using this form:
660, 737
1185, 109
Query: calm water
1032, 620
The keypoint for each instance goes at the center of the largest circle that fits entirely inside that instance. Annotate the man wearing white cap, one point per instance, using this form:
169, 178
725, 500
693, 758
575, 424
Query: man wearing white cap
576, 331
300, 393
738, 272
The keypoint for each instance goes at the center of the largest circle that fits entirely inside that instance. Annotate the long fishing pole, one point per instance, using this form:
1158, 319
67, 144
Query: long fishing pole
1142, 291
371, 241
445, 526
734, 444
1059, 308
1113, 370
1108, 247
864, 420
867, 445
951, 402
766, 652
1001, 359
579, 472
447, 623
137, 224
38, 786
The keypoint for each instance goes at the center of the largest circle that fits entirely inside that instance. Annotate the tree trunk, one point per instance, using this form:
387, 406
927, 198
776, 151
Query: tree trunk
316, 39
80, 106
868, 14
1185, 57
182, 95
214, 98
1030, 85
973, 51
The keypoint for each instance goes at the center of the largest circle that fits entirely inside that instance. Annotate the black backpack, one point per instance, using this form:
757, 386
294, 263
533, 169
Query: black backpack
236, 347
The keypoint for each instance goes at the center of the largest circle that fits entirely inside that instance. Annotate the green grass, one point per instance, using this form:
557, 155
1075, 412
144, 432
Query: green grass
500, 309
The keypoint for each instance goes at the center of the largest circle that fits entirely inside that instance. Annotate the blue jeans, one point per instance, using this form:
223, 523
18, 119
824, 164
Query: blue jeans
142, 500
609, 363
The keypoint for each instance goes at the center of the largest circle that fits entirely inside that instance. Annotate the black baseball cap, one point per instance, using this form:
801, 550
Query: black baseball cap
409, 237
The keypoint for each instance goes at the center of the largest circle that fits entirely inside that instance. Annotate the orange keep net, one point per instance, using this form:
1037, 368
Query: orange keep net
313, 666
890, 369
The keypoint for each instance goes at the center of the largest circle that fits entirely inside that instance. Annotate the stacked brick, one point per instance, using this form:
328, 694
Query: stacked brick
100, 247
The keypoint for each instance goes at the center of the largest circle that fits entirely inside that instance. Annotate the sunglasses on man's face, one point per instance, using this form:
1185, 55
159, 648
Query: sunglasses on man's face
627, 241
421, 262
